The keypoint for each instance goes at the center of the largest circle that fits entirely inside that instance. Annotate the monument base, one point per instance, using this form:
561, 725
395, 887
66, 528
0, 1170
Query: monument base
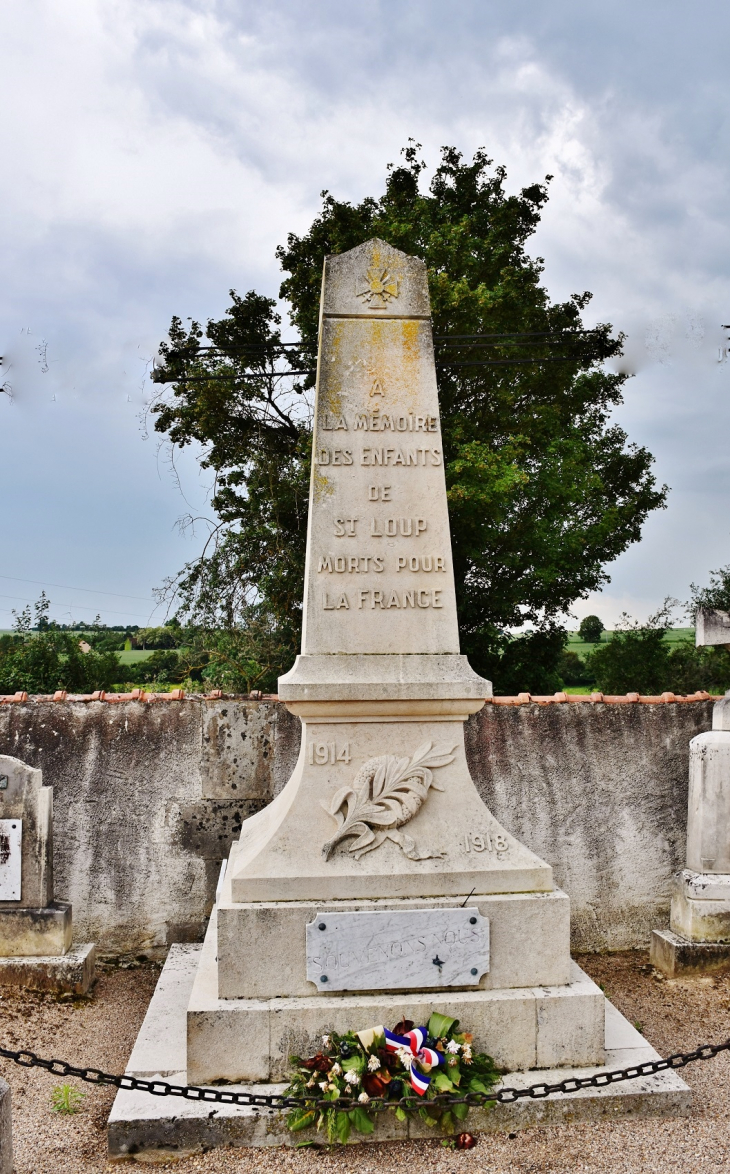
69, 973
678, 957
701, 906
159, 1128
28, 933
698, 938
251, 1039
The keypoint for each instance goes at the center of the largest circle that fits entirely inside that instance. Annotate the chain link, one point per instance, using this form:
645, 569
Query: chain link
277, 1101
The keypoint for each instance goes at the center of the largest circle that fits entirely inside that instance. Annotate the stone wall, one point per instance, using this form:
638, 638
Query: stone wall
149, 795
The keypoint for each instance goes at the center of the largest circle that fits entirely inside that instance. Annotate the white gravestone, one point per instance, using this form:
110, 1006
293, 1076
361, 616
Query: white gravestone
380, 823
698, 939
700, 909
35, 929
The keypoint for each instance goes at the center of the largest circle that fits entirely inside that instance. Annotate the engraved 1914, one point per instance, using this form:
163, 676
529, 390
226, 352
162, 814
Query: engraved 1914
328, 753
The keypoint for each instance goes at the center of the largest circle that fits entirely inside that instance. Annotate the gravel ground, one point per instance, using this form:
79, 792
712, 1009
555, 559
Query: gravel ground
673, 1016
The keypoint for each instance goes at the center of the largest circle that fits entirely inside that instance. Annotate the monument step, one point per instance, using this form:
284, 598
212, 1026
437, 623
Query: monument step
70, 973
678, 957
149, 1127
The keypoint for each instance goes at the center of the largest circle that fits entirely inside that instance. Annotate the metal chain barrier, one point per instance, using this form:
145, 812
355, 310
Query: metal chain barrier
271, 1101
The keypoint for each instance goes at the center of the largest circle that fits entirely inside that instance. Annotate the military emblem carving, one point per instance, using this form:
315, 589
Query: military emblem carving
385, 794
378, 287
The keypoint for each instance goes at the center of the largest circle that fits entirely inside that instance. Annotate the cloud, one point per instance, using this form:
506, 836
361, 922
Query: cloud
157, 153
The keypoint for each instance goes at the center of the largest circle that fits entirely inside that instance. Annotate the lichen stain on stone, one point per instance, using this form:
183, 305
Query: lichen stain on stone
321, 485
329, 392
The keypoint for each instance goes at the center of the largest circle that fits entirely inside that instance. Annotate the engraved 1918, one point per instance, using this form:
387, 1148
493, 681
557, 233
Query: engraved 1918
485, 843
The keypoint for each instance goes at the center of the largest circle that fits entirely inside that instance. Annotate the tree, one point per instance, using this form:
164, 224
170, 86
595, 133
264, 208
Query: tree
636, 658
590, 630
716, 596
543, 490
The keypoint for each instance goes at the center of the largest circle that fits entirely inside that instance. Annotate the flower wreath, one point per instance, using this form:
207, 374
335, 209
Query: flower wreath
382, 1064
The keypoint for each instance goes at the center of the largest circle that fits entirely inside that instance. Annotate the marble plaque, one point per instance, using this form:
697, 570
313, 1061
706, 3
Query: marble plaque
403, 949
11, 837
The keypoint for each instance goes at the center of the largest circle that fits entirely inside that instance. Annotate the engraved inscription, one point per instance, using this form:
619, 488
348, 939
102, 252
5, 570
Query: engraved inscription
392, 457
358, 564
478, 842
394, 527
333, 423
335, 602
408, 598
377, 421
422, 562
328, 753
11, 839
385, 794
334, 456
379, 492
345, 527
396, 949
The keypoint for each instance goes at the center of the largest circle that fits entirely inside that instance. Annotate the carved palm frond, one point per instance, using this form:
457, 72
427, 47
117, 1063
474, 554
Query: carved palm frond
385, 794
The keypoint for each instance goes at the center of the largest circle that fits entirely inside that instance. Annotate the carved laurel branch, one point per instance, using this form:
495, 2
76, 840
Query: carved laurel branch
385, 794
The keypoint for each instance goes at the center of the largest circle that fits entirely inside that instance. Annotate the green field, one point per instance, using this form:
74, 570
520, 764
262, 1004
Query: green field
673, 636
133, 655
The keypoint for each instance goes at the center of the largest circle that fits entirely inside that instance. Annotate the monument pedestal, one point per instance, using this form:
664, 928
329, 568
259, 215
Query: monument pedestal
529, 1024
698, 939
35, 930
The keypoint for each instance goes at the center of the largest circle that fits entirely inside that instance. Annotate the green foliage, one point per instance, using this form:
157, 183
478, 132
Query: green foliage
48, 660
717, 595
168, 636
693, 668
527, 664
636, 658
543, 490
573, 670
65, 1098
590, 630
639, 659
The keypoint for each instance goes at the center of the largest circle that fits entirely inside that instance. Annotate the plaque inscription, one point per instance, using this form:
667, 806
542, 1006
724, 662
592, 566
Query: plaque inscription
11, 839
401, 949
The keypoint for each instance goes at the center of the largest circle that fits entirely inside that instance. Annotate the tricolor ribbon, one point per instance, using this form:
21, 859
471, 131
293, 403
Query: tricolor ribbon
413, 1043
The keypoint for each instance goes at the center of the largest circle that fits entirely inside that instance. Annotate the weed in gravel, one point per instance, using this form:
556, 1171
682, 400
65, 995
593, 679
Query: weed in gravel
65, 1098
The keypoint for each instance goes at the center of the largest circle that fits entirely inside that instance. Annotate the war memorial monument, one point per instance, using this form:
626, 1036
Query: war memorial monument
377, 885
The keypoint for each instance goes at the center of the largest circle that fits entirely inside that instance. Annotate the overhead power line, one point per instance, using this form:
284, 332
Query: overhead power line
90, 590
77, 607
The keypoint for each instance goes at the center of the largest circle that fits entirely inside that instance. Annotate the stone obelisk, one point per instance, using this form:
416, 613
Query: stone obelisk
378, 868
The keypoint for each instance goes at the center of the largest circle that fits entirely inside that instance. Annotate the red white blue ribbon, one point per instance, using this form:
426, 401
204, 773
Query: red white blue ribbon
413, 1043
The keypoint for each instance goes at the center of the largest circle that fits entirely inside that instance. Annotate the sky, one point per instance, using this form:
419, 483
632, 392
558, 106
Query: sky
155, 154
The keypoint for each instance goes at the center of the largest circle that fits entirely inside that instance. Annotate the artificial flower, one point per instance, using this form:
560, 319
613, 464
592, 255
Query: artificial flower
363, 1098
373, 1063
453, 1047
352, 1078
